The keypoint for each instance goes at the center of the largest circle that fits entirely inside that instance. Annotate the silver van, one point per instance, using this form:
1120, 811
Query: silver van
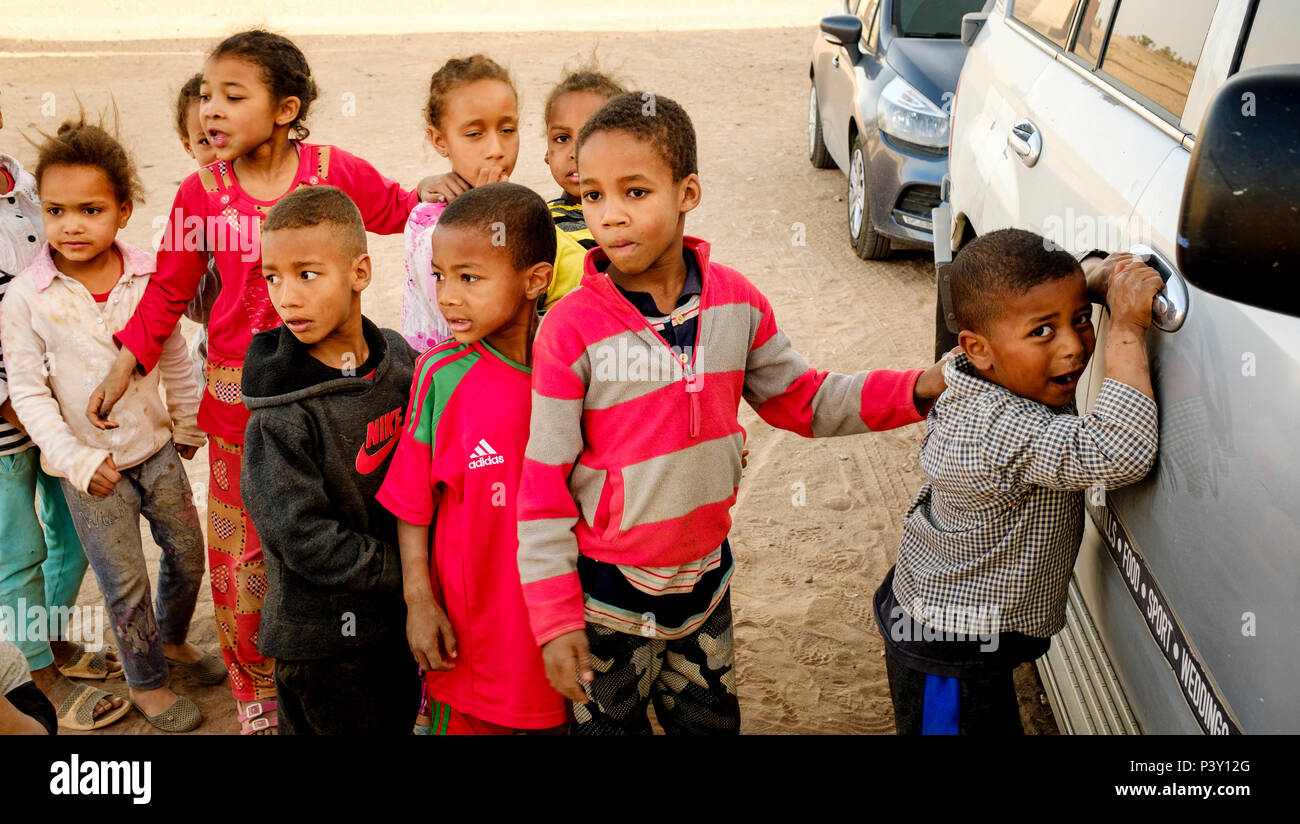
1081, 120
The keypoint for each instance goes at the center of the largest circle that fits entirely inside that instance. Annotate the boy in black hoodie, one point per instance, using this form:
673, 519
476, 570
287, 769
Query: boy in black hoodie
327, 392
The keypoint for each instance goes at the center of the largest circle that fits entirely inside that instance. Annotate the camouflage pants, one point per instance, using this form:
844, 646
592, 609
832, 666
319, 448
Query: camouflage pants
691, 681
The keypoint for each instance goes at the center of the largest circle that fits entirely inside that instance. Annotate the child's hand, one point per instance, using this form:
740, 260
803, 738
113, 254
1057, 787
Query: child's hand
1097, 273
8, 412
442, 188
567, 659
111, 390
931, 383
105, 479
426, 623
1131, 290
491, 174
186, 451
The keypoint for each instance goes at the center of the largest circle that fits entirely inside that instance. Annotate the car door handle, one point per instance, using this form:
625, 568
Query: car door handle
1169, 309
1026, 141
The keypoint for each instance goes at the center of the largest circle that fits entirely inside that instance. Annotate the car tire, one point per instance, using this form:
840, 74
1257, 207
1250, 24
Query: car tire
866, 241
818, 155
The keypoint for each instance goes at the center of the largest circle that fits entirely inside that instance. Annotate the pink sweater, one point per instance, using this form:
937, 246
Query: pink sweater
635, 459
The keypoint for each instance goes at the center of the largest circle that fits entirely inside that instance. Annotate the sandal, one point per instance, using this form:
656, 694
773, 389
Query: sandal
77, 712
258, 718
209, 670
182, 716
87, 664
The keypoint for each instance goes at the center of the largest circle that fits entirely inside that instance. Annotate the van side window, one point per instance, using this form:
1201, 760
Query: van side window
1154, 51
1272, 34
1050, 18
1092, 29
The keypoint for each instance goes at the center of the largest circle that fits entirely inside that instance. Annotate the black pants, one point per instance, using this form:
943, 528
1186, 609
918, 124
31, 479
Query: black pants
926, 704
29, 700
691, 681
371, 692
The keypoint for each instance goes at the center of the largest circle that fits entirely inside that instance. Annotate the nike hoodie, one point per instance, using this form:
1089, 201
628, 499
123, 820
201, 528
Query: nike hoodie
316, 451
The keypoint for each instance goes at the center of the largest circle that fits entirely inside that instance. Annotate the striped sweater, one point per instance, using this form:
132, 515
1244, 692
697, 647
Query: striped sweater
634, 455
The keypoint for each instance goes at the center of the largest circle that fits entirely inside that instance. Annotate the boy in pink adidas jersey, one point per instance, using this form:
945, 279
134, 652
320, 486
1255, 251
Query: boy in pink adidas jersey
634, 456
457, 467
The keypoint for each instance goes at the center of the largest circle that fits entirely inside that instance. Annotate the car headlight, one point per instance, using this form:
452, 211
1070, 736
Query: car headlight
905, 113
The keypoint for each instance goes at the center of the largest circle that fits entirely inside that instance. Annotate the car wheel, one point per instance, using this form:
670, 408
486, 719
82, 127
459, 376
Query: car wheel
866, 241
818, 155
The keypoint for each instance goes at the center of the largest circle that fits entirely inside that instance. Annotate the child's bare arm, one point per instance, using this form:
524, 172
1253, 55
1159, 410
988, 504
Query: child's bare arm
425, 620
1129, 294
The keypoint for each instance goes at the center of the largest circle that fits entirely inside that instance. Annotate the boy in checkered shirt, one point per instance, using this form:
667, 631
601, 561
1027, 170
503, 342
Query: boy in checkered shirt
990, 540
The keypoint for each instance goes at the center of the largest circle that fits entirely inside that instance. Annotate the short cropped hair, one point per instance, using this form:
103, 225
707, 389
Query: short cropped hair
1007, 262
513, 212
659, 121
309, 206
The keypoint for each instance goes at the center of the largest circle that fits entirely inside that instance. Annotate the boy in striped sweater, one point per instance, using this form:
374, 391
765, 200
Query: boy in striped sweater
634, 455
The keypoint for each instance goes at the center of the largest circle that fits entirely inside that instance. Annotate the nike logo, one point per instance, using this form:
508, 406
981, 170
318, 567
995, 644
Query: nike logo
381, 432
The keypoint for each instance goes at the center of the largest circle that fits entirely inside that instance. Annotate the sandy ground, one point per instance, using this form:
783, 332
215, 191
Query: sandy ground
817, 523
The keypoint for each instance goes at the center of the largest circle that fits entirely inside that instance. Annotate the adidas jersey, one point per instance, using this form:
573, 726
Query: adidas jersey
457, 466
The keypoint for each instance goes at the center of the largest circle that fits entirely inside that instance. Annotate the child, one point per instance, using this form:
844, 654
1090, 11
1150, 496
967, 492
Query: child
459, 460
57, 322
41, 559
570, 103
634, 455
257, 89
473, 119
326, 392
989, 543
196, 144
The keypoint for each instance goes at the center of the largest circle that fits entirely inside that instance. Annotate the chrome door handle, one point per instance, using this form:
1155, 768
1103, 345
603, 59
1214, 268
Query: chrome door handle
1026, 141
1169, 309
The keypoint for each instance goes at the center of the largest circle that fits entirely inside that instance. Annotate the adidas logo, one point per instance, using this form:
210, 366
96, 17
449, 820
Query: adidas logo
484, 455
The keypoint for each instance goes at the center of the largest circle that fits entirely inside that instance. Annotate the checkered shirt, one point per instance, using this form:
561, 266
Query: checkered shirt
990, 540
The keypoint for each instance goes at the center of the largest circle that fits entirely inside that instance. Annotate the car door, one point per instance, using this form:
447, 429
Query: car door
840, 83
1206, 544
995, 80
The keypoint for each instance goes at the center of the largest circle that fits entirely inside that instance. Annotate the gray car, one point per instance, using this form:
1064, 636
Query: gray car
882, 75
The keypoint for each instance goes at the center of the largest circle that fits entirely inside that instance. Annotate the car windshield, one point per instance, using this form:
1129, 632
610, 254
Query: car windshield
932, 18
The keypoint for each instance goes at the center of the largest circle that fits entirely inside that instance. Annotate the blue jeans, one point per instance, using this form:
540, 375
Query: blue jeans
110, 531
41, 560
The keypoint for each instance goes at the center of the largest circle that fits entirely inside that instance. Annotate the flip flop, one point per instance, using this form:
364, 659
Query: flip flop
209, 670
182, 716
77, 712
87, 664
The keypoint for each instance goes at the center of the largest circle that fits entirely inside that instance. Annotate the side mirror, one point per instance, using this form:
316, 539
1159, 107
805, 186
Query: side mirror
842, 30
1239, 225
970, 27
